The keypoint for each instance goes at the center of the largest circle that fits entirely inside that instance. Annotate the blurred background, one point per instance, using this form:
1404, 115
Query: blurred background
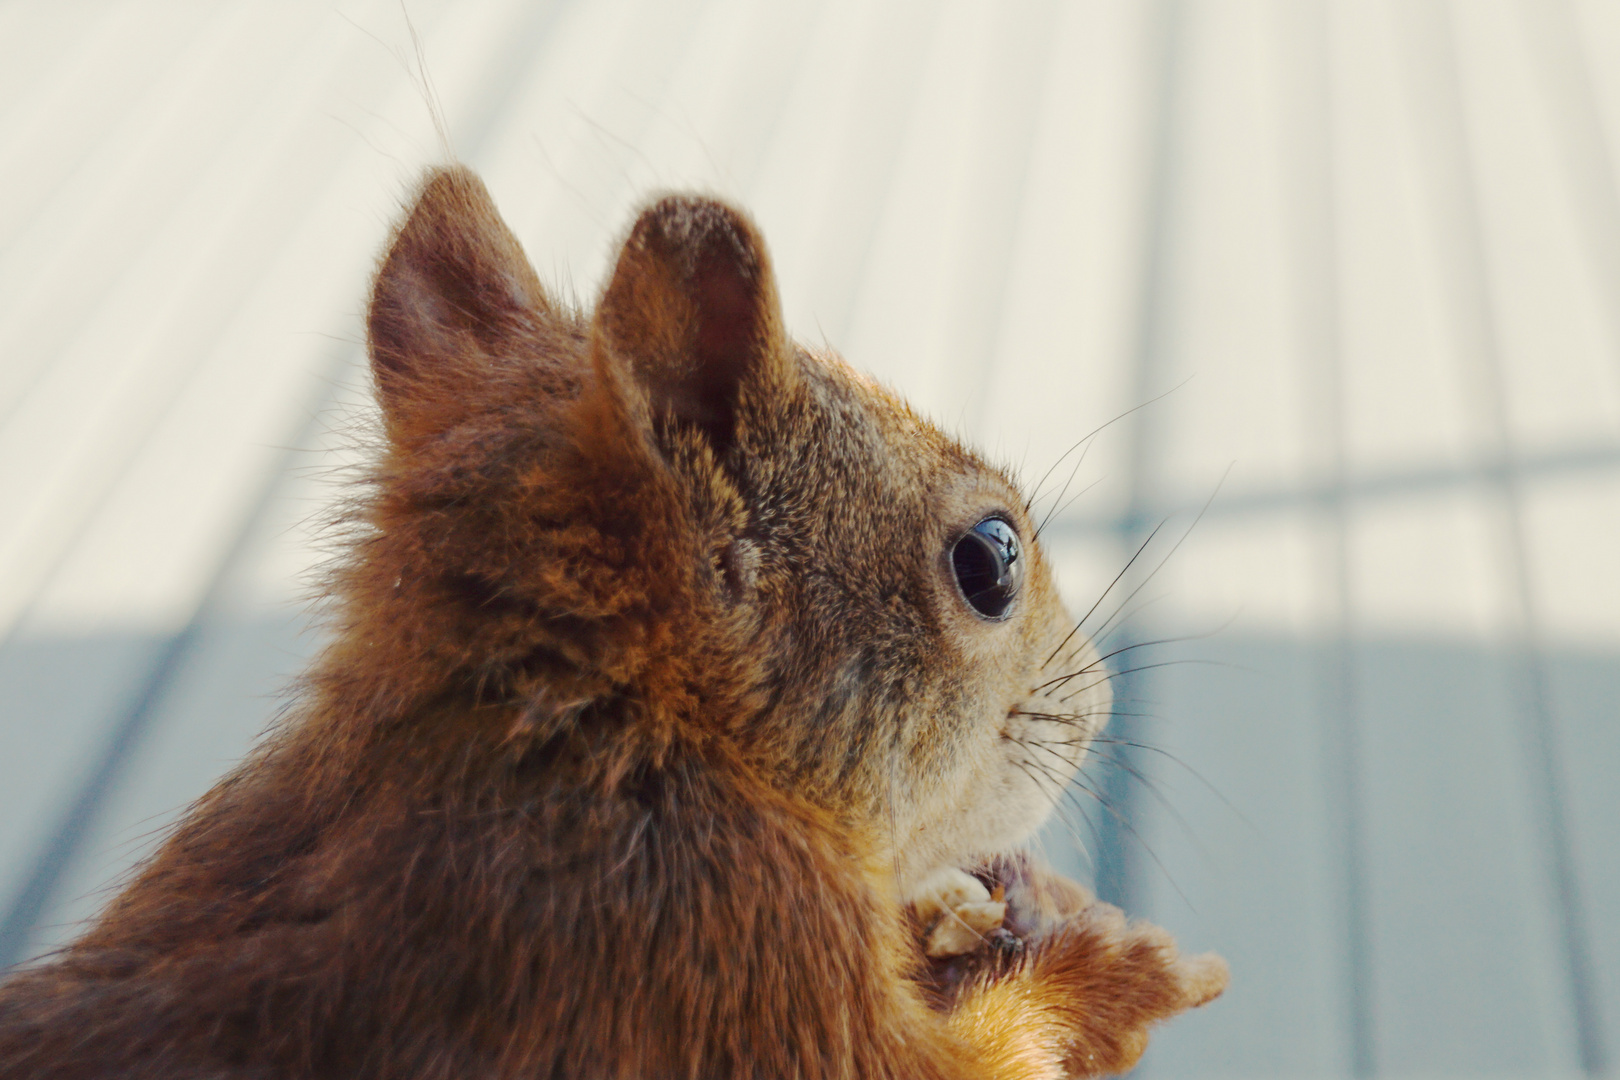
1320, 297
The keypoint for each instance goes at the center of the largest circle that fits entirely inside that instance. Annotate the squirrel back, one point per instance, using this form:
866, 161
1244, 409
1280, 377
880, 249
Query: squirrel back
678, 673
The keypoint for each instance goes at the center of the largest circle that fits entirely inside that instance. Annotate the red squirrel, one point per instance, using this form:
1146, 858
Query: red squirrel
689, 707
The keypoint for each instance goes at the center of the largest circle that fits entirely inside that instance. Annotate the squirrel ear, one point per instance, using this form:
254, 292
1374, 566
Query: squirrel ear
692, 309
454, 290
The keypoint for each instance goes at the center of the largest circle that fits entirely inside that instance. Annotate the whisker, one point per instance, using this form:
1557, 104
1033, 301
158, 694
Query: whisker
1154, 789
1125, 824
1179, 762
1076, 497
1141, 668
1092, 434
1116, 625
1076, 718
1117, 577
1105, 657
1173, 548
1060, 804
1079, 461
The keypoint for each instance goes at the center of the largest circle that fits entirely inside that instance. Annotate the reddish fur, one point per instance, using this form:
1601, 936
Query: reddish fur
544, 809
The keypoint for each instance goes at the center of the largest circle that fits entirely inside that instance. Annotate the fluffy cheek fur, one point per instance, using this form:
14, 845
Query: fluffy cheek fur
1010, 765
1047, 735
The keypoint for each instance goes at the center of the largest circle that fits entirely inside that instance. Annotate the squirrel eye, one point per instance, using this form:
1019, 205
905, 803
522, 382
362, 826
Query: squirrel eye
989, 567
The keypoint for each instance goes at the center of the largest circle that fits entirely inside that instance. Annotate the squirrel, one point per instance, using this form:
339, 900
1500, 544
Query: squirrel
689, 706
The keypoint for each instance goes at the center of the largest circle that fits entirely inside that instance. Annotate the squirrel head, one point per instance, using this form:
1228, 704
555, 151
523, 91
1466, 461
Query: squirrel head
664, 521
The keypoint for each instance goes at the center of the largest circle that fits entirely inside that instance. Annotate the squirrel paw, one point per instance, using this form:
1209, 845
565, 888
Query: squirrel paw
1081, 990
959, 913
1102, 982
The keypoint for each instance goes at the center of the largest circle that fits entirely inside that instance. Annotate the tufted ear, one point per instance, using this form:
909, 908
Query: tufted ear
454, 290
692, 310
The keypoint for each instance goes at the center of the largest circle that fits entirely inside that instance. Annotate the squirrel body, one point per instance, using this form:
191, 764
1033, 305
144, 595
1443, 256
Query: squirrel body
673, 667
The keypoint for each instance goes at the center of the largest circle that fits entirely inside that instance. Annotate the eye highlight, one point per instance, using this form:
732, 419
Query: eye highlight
989, 567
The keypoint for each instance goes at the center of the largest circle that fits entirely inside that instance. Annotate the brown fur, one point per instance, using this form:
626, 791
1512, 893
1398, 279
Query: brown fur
651, 697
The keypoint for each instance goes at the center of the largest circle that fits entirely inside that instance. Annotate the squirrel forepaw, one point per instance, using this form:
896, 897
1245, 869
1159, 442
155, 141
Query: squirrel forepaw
1203, 978
959, 913
1109, 981
1082, 996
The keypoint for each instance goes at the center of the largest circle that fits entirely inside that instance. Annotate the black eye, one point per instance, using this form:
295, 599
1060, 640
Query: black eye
989, 566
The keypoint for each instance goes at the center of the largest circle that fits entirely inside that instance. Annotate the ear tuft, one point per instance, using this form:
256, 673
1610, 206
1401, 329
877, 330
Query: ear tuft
692, 307
455, 287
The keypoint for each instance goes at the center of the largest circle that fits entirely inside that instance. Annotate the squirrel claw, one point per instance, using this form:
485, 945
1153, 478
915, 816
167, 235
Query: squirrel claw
1004, 941
1203, 978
